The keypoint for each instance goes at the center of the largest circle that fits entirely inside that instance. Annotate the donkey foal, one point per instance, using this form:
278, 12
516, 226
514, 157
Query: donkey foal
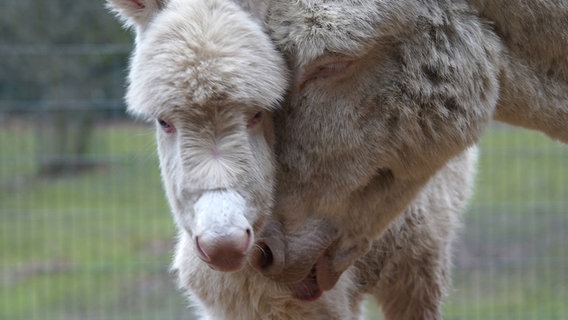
209, 77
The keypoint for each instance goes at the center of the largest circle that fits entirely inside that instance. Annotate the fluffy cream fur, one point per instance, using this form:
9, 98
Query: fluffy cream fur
534, 77
384, 94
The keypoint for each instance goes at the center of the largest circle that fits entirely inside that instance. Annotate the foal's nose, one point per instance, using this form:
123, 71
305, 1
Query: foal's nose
225, 252
223, 236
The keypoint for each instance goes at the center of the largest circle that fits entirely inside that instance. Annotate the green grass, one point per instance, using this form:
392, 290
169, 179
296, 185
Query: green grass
511, 256
93, 245
521, 167
97, 245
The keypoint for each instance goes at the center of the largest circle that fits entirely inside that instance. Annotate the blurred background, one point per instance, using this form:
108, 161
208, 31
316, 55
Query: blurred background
85, 231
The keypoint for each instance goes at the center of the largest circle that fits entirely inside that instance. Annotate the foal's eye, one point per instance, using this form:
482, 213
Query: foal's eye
166, 126
255, 119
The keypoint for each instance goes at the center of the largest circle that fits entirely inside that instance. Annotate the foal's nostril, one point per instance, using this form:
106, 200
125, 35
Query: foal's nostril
226, 252
200, 251
268, 254
265, 259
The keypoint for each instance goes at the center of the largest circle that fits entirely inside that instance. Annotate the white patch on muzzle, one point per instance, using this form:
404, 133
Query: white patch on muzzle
222, 234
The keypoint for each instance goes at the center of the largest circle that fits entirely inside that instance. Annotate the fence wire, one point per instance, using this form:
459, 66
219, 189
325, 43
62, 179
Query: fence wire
85, 232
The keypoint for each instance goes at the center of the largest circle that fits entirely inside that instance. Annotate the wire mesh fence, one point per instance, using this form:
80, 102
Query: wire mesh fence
87, 235
92, 237
85, 232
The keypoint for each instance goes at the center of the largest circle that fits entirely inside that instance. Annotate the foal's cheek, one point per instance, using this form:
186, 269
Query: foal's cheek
173, 178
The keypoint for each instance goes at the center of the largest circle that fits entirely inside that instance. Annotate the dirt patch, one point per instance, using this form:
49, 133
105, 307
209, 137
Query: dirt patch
33, 269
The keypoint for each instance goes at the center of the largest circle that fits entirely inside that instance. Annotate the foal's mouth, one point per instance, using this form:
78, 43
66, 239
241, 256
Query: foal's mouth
312, 287
307, 289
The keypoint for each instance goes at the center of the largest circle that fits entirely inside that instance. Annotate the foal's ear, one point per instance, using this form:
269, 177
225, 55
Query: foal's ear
136, 13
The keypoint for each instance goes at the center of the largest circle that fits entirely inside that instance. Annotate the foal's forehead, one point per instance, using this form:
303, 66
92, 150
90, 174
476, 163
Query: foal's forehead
170, 74
195, 56
210, 111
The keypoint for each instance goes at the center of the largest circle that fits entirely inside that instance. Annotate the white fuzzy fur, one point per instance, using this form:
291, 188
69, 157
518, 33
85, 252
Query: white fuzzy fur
230, 207
205, 66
